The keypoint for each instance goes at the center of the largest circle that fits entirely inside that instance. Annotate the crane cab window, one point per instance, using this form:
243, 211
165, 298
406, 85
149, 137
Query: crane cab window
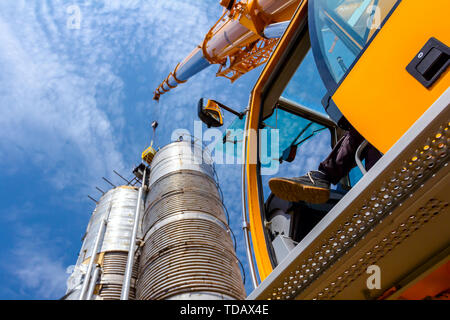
301, 143
313, 135
306, 87
341, 29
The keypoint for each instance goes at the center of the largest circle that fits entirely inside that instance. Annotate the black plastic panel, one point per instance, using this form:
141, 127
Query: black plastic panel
430, 63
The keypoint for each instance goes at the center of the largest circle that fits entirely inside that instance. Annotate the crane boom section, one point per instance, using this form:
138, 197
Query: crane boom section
235, 42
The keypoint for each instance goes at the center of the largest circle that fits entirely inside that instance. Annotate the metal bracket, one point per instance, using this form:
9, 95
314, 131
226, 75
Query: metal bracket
358, 156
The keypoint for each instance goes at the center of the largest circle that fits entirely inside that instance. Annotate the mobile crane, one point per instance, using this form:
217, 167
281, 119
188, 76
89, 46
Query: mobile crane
384, 67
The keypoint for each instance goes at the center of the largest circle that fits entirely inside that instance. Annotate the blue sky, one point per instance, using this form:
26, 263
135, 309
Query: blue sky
76, 105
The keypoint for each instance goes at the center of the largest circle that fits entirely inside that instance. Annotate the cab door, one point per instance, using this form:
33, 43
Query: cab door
384, 62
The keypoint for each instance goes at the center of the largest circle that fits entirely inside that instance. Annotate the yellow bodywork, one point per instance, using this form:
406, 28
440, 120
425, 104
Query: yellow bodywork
378, 96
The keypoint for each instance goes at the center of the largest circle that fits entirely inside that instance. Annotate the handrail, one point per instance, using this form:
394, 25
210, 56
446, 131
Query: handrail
131, 252
93, 282
358, 156
87, 278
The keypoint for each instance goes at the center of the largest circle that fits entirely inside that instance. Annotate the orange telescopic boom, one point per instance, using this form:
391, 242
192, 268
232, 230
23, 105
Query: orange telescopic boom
241, 40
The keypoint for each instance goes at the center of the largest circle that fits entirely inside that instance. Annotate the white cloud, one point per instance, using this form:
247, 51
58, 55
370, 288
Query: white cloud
36, 266
61, 90
42, 273
51, 117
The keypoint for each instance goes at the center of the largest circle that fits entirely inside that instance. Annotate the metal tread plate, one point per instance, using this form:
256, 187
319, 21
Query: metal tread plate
394, 217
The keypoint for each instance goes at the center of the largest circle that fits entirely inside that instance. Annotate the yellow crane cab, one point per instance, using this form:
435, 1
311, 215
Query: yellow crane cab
381, 67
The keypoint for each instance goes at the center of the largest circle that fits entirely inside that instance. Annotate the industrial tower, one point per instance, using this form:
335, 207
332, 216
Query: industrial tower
168, 239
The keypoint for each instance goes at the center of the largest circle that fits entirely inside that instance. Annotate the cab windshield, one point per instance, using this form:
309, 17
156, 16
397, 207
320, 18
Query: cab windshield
281, 131
311, 140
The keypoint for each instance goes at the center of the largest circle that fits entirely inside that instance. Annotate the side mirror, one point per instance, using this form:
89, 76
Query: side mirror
210, 114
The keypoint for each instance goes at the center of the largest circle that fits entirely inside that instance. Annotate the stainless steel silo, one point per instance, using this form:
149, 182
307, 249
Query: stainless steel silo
109, 229
188, 252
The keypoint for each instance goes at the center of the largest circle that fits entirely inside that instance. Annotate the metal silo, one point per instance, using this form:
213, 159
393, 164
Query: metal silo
108, 235
188, 252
